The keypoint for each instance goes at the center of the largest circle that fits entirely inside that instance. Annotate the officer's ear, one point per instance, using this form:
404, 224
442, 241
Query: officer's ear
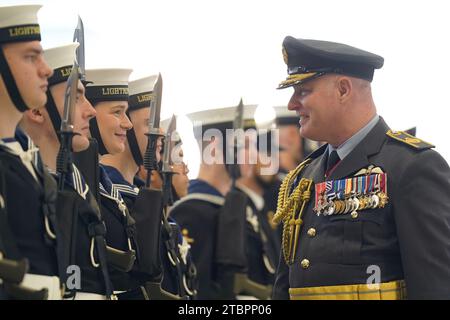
345, 88
35, 116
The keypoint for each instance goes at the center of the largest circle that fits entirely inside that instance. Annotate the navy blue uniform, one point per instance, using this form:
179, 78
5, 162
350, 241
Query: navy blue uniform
120, 229
129, 193
25, 200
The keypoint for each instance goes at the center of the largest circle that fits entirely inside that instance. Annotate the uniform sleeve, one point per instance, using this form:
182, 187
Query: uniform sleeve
422, 214
281, 286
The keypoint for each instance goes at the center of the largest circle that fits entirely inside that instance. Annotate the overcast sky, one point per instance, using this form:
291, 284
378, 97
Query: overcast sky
211, 53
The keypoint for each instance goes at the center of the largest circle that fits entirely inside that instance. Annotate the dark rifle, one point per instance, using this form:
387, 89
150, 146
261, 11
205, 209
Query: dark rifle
150, 162
170, 239
238, 124
64, 158
87, 162
230, 255
153, 286
13, 271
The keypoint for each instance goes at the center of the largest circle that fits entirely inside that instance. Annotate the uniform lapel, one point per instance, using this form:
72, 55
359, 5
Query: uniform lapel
318, 170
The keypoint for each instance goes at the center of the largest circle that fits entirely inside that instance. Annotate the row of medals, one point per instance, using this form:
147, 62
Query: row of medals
352, 204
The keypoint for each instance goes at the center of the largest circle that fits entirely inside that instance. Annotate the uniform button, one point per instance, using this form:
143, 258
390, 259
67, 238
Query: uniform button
354, 214
305, 263
312, 232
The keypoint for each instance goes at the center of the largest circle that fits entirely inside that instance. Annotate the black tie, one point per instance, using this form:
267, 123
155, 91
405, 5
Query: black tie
332, 160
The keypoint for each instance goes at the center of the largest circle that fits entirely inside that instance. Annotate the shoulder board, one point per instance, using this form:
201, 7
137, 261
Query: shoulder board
409, 140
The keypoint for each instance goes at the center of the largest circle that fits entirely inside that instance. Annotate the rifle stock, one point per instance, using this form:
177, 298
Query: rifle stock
13, 271
121, 260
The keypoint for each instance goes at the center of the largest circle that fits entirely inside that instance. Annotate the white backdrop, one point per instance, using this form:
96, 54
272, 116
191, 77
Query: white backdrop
211, 53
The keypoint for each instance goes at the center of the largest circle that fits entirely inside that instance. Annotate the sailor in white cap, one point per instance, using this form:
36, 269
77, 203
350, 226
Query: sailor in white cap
122, 169
29, 193
108, 92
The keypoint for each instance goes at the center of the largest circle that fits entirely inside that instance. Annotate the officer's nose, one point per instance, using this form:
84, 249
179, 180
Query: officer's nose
294, 103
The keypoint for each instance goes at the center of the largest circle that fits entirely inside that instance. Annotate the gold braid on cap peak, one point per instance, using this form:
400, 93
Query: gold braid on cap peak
293, 78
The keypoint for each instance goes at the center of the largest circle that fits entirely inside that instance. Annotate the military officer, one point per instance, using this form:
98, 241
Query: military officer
365, 216
30, 195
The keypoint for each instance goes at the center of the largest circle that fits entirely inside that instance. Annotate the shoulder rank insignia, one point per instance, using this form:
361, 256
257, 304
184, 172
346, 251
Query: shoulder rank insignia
409, 140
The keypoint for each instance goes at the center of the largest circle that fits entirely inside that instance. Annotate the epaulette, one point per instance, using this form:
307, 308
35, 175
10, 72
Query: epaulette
409, 140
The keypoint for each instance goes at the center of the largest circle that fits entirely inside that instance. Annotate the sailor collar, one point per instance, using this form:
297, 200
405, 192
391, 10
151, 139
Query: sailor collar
119, 184
257, 200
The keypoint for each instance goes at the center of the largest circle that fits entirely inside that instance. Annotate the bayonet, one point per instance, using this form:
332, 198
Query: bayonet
154, 133
155, 106
70, 97
238, 122
169, 144
78, 36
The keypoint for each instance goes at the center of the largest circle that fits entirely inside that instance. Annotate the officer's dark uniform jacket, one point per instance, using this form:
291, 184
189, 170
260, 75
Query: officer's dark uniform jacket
120, 230
260, 259
30, 207
408, 239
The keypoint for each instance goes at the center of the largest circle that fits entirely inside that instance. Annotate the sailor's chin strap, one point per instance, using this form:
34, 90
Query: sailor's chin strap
95, 132
10, 84
134, 146
53, 113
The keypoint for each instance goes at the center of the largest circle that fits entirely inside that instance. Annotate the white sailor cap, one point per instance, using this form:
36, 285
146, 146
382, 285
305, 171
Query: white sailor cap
61, 59
141, 92
19, 23
222, 118
107, 85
